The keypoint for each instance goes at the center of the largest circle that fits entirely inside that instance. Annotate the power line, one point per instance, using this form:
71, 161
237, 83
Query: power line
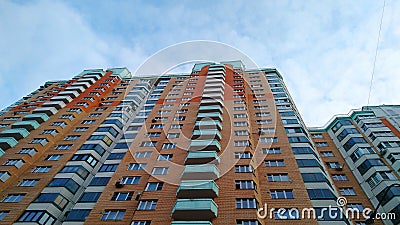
376, 52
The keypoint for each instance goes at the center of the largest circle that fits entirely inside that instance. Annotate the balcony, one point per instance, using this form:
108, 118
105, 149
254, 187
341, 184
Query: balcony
16, 133
38, 117
206, 134
72, 94
210, 101
191, 223
66, 99
208, 124
200, 172
216, 68
1, 153
56, 104
202, 157
210, 108
48, 110
195, 209
80, 83
205, 145
78, 89
88, 80
28, 125
197, 189
201, 116
7, 142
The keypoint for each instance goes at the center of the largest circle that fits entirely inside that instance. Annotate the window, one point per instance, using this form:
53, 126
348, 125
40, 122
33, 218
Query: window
88, 122
94, 115
90, 197
160, 170
137, 166
41, 217
3, 214
68, 183
307, 163
333, 165
14, 162
99, 181
103, 138
176, 126
156, 126
320, 194
321, 144
241, 133
240, 124
56, 199
147, 205
278, 177
67, 116
313, 177
282, 194
317, 136
173, 135
347, 191
164, 157
327, 154
51, 132
116, 156
154, 134
367, 164
143, 222
130, 180
148, 144
263, 114
154, 186
143, 154
108, 168
247, 222
271, 150
242, 143
169, 145
41, 169
122, 196
268, 139
339, 177
113, 214
63, 147
274, 163
243, 169
243, 155
261, 122
13, 198
298, 139
302, 150
59, 124
240, 116
53, 157
266, 130
72, 137
245, 184
42, 141
85, 157
28, 182
246, 203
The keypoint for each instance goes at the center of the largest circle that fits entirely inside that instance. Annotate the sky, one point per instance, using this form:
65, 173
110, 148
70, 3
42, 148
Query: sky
324, 49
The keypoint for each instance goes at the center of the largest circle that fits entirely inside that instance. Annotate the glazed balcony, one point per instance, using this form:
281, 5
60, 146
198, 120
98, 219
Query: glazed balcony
28, 125
200, 172
197, 189
195, 209
205, 145
38, 117
201, 157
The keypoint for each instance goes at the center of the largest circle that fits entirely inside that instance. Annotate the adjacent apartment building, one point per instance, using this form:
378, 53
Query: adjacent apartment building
222, 145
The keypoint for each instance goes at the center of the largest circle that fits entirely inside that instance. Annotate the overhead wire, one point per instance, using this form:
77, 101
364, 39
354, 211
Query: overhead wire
376, 53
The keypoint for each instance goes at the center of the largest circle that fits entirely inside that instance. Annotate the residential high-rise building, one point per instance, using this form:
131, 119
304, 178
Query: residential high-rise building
221, 145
